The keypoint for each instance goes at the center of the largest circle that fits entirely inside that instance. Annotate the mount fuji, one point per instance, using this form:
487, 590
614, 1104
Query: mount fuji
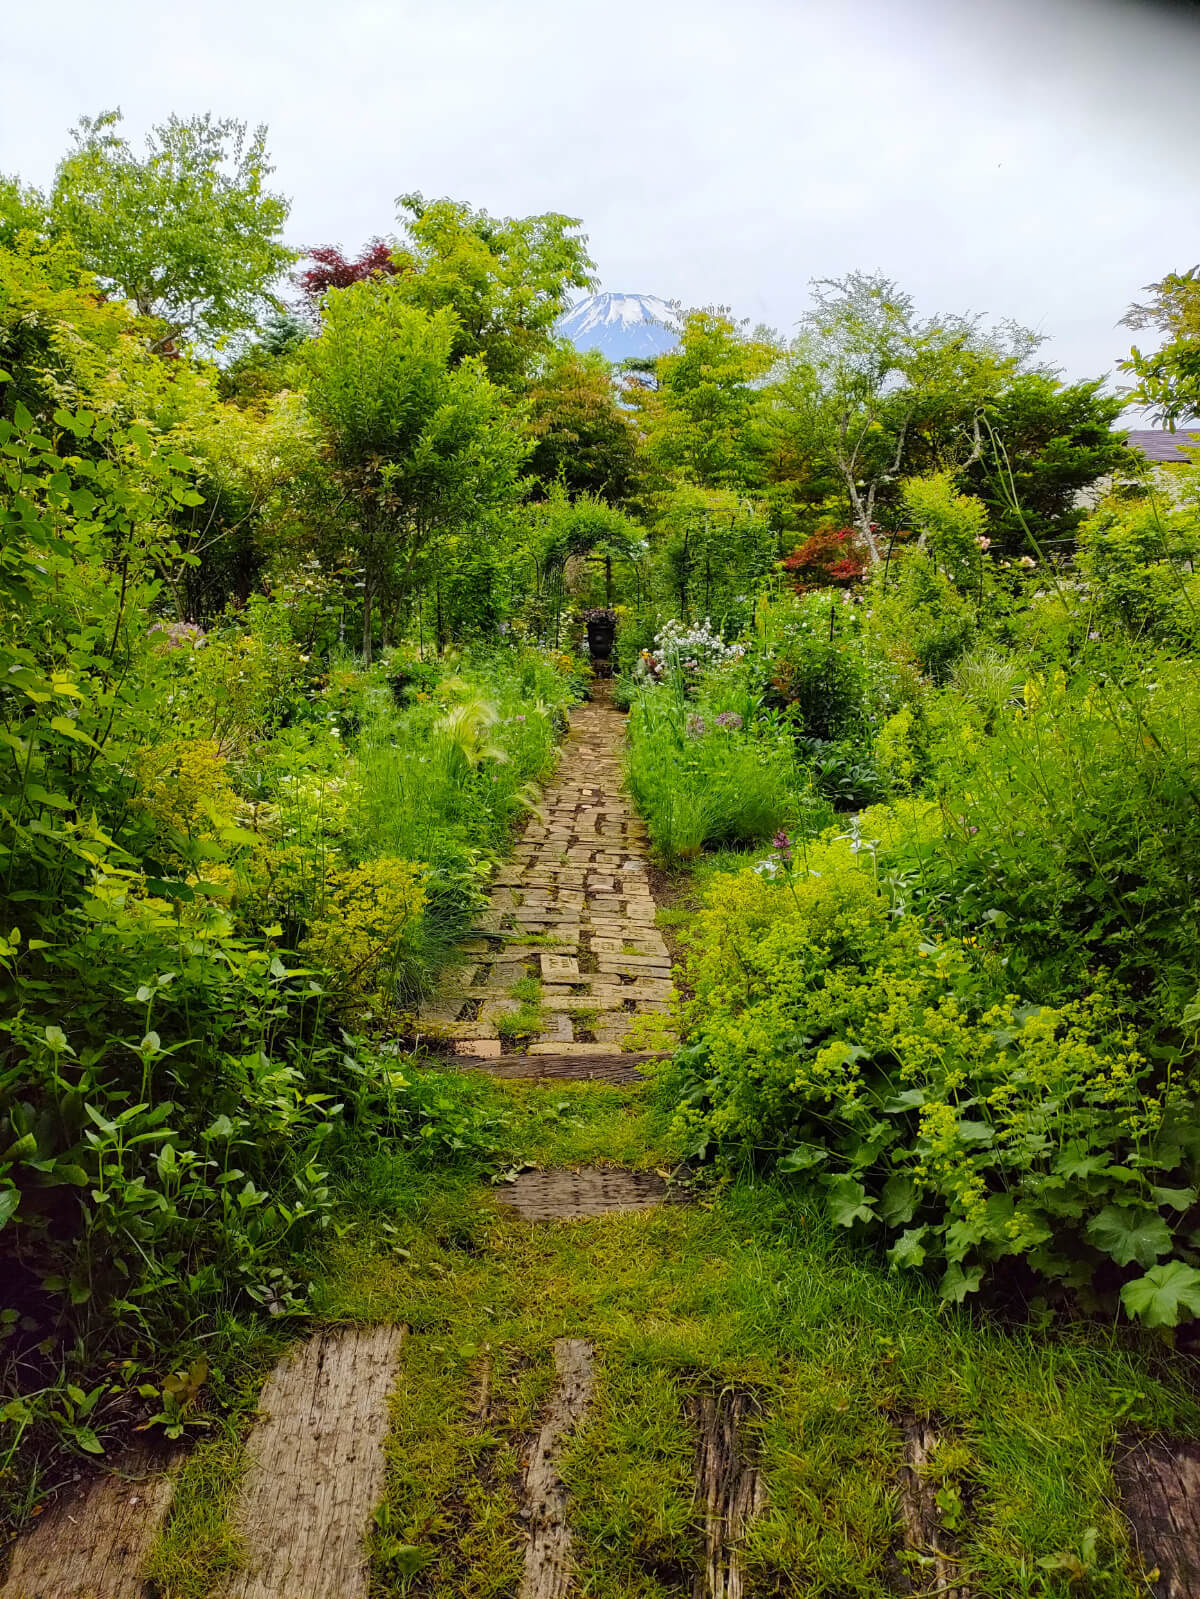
621, 325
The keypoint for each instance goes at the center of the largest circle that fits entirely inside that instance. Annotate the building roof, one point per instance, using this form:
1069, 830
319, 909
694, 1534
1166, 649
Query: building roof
1160, 446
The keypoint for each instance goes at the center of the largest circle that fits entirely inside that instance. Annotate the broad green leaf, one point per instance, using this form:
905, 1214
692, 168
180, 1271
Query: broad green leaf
42, 796
65, 726
848, 1202
908, 1250
169, 888
1130, 1234
407, 1559
898, 1201
10, 1198
803, 1158
20, 1149
1165, 1296
976, 1132
1175, 1198
957, 1283
910, 1099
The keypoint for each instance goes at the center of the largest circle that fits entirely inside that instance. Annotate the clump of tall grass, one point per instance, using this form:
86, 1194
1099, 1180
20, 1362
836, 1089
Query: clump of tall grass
705, 778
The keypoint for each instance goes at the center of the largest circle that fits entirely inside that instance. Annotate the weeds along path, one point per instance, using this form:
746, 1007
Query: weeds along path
567, 975
568, 1385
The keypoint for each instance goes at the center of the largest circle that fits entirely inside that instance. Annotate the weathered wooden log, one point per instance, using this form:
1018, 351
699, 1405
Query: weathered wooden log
930, 1546
728, 1488
94, 1540
1159, 1481
316, 1468
549, 1567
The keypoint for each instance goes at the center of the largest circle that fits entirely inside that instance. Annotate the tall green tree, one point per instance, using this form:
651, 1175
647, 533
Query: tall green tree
23, 212
421, 446
583, 437
1168, 379
506, 279
1044, 442
869, 387
189, 232
700, 417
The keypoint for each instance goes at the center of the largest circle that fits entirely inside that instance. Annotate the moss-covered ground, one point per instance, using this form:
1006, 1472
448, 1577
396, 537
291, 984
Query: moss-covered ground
739, 1285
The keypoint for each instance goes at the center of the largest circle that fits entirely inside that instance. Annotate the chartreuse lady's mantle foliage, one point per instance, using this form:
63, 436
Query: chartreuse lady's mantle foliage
960, 1127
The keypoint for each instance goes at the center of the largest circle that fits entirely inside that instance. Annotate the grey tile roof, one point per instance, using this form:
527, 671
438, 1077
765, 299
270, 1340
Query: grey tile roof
1159, 445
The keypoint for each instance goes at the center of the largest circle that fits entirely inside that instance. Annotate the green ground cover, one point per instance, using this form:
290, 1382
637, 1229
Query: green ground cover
748, 1285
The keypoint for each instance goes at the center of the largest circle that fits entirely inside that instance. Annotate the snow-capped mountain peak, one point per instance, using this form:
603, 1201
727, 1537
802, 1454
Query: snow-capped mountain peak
621, 325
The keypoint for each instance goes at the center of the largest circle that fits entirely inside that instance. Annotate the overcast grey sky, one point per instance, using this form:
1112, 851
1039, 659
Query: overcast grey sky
1038, 159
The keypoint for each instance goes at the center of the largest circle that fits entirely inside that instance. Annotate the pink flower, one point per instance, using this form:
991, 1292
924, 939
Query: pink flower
984, 544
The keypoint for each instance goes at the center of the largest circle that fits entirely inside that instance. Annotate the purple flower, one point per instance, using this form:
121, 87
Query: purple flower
695, 727
781, 841
730, 720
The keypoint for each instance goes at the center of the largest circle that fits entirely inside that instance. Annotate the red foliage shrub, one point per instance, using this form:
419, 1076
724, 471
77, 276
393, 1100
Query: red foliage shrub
334, 270
831, 558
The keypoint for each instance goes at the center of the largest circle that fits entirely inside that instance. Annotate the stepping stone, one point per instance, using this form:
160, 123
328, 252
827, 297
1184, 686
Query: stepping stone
95, 1539
560, 966
592, 1191
549, 1569
316, 1469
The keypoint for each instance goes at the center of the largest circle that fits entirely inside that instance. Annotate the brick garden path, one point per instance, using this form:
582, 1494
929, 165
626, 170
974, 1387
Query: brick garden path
572, 908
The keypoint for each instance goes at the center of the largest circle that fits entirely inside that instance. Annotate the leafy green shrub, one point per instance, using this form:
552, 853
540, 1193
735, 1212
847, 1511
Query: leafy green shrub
360, 934
843, 1044
843, 771
1138, 562
812, 657
953, 527
921, 609
171, 1091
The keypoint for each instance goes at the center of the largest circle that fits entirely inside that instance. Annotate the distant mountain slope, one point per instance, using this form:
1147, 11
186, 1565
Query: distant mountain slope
621, 325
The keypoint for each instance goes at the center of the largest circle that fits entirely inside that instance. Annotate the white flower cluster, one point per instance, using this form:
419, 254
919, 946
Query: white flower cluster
691, 648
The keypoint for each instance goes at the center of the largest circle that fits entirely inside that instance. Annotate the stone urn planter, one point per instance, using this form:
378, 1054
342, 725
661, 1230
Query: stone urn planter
601, 629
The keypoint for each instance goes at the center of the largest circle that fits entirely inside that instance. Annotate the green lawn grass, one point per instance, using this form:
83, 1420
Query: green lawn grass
742, 1286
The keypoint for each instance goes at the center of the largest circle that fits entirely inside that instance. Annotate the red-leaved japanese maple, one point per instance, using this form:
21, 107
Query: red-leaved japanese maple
832, 558
333, 269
